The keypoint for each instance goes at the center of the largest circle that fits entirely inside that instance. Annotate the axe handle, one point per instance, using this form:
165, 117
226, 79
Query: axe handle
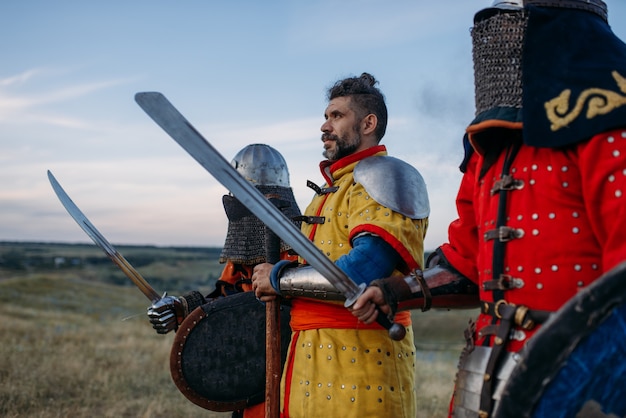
273, 369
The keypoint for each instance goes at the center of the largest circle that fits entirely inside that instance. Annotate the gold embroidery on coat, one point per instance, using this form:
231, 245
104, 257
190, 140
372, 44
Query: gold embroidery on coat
600, 102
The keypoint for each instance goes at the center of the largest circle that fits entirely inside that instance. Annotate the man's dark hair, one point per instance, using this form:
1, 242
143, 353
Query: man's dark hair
366, 98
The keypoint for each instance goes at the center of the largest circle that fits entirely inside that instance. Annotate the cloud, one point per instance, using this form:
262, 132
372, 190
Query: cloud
22, 100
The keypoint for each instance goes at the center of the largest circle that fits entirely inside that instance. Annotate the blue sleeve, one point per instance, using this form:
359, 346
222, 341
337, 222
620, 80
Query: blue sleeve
371, 258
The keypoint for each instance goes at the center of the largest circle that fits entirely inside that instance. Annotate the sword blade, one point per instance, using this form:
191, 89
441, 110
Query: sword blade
159, 108
102, 242
175, 124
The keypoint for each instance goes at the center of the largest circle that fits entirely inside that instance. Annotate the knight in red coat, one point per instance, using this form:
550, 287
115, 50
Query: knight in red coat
542, 202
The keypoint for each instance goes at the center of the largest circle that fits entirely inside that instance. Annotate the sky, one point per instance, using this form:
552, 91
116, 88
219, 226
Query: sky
241, 72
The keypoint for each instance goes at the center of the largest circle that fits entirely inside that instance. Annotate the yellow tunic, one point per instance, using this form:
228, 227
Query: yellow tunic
337, 366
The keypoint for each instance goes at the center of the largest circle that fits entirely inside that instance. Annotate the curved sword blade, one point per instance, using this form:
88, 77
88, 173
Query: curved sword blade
174, 123
101, 242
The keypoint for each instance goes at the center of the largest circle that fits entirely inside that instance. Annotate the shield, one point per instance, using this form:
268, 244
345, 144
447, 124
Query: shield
575, 365
218, 357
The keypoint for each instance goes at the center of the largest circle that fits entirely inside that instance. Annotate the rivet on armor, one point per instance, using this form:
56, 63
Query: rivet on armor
386, 213
329, 357
319, 385
343, 386
379, 363
577, 267
354, 387
535, 216
307, 383
520, 268
616, 153
618, 193
391, 388
330, 346
594, 266
518, 335
487, 377
353, 348
498, 341
552, 215
352, 399
328, 397
343, 348
610, 139
534, 167
520, 217
329, 384
308, 356
535, 232
580, 284
564, 168
565, 184
554, 267
353, 360
368, 387
538, 270
549, 168
321, 346
611, 178
306, 394
539, 286
532, 182
367, 350
575, 230
624, 134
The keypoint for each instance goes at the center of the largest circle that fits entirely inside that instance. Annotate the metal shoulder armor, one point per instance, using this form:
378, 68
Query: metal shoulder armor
395, 184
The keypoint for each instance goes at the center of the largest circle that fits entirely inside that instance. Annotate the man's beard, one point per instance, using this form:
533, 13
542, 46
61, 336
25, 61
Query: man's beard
343, 146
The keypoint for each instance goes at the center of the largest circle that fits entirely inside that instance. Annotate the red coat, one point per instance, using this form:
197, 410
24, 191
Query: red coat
570, 213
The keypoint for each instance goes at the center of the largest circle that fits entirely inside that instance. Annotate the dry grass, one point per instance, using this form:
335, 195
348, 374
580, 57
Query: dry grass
75, 348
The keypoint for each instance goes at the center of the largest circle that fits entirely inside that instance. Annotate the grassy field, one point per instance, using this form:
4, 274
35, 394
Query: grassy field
72, 345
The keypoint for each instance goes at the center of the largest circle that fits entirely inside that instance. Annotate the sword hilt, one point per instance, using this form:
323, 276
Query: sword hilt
397, 332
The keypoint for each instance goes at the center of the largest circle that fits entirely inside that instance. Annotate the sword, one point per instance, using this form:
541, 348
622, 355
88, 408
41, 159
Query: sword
101, 242
174, 123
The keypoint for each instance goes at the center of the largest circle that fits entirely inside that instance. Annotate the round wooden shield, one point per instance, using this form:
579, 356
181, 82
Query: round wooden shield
218, 357
575, 365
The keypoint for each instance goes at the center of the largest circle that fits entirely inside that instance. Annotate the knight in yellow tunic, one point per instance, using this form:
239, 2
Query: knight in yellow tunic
370, 217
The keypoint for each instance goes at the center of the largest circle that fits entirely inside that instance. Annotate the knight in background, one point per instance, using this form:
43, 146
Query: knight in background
244, 246
542, 202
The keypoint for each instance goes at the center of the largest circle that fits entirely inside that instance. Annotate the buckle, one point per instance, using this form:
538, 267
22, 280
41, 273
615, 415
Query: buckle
506, 183
504, 282
310, 219
504, 234
321, 190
